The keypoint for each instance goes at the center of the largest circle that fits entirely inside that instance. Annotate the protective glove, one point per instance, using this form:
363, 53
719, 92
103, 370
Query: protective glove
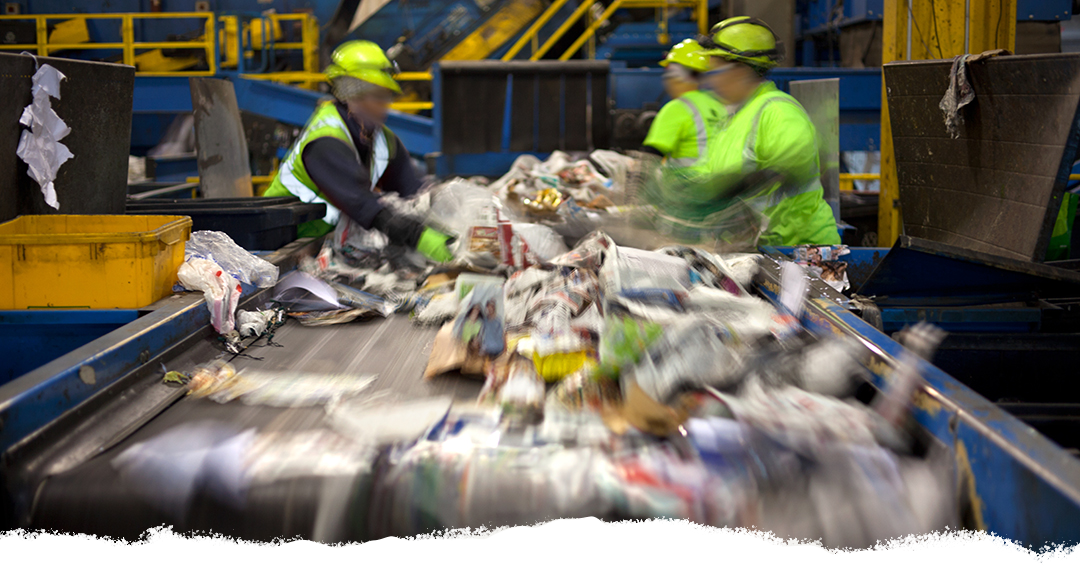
433, 244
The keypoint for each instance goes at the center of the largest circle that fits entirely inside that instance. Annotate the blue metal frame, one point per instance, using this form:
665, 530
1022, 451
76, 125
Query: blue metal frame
38, 397
1024, 486
32, 338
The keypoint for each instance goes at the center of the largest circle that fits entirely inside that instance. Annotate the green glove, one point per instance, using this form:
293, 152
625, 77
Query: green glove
432, 244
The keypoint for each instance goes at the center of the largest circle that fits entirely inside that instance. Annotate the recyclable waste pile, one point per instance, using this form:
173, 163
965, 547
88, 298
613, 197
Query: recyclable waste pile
619, 383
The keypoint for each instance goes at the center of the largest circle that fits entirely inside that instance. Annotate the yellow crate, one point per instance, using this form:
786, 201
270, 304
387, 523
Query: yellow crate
94, 262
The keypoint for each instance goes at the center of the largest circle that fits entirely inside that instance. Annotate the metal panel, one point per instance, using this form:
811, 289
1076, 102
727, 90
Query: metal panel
502, 109
997, 189
821, 99
96, 103
221, 145
916, 271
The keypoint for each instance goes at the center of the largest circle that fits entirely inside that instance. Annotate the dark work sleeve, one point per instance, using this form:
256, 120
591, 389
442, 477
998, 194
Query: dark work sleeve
344, 181
400, 175
652, 150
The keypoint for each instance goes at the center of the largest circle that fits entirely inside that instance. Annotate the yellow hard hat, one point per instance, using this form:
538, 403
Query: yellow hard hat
746, 40
687, 53
363, 60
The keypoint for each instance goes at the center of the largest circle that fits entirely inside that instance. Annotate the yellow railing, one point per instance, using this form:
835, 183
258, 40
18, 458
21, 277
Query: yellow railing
258, 34
290, 77
128, 45
700, 7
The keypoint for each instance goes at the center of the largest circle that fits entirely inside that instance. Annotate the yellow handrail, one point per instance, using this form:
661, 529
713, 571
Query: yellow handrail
315, 78
559, 32
127, 45
309, 37
591, 30
530, 34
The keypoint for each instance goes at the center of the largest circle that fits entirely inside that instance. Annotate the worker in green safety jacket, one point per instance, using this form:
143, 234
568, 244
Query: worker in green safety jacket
767, 132
681, 131
346, 153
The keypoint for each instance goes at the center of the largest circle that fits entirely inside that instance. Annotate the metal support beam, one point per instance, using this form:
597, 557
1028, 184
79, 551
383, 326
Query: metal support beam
917, 30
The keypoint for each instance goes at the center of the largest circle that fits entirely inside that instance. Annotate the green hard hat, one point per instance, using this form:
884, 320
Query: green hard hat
363, 60
746, 40
687, 53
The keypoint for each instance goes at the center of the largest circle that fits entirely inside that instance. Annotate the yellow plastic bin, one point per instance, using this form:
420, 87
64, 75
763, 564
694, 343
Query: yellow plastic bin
93, 262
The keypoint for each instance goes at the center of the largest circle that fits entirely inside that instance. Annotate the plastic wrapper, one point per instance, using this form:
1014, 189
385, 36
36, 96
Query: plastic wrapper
453, 203
479, 322
219, 248
542, 241
355, 299
210, 378
624, 342
589, 254
220, 290
555, 366
255, 323
743, 267
691, 352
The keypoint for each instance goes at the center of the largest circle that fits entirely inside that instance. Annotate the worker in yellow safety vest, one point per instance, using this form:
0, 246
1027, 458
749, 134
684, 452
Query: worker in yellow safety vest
766, 131
681, 131
346, 153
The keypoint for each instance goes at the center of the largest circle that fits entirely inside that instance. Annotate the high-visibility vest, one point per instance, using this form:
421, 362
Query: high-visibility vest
292, 178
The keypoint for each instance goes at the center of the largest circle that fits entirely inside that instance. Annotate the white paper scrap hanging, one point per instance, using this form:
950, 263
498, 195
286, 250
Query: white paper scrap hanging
40, 145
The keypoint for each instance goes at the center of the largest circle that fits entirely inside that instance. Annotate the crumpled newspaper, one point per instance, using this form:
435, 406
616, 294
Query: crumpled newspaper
40, 145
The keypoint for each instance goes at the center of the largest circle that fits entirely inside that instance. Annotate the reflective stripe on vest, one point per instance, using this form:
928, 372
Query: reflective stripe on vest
702, 137
750, 164
377, 167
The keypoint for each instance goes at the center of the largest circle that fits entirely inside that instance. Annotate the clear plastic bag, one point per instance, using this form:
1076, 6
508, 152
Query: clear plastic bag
245, 266
542, 242
255, 323
220, 290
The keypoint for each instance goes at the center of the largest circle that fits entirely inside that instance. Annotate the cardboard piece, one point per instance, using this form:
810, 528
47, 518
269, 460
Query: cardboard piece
645, 414
449, 354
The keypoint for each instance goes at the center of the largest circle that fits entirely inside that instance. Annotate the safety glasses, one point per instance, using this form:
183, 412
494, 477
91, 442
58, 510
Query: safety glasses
717, 71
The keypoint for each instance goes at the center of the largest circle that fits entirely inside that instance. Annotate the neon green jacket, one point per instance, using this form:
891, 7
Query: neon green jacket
293, 180
771, 131
683, 127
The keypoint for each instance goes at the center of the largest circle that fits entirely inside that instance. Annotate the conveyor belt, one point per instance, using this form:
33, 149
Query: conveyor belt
92, 498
